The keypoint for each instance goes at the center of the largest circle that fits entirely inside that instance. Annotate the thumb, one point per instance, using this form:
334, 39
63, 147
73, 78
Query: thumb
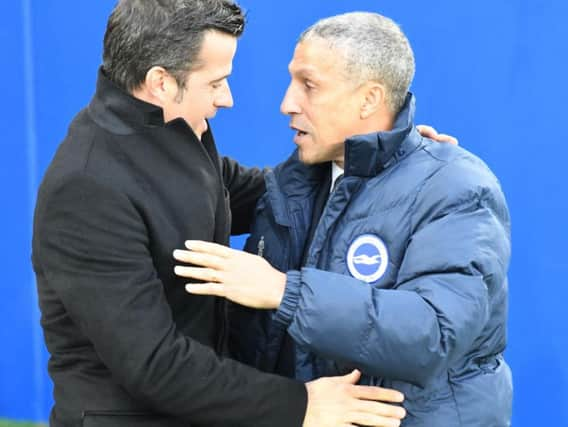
427, 131
442, 137
350, 378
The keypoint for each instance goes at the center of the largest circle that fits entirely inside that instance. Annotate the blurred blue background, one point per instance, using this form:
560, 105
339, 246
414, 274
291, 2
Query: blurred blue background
491, 73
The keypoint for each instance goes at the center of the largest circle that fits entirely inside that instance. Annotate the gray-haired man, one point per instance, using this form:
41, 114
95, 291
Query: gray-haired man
401, 270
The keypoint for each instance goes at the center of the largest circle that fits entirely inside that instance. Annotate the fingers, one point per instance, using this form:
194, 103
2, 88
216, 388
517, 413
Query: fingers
377, 393
208, 247
427, 131
200, 258
350, 378
217, 289
366, 419
430, 132
336, 401
198, 273
442, 137
380, 409
370, 392
371, 413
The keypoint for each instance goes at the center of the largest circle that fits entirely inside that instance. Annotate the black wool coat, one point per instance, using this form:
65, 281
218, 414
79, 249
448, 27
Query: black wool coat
128, 345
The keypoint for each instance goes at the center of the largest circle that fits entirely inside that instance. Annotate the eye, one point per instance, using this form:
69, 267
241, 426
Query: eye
308, 85
217, 84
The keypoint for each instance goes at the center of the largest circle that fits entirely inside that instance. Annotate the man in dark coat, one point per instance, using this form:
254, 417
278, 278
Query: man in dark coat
136, 175
390, 251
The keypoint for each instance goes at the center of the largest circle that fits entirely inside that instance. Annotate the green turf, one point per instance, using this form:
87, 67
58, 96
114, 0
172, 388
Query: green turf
8, 423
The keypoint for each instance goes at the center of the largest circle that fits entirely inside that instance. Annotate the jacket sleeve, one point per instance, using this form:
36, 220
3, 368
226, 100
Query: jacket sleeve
245, 186
456, 257
93, 249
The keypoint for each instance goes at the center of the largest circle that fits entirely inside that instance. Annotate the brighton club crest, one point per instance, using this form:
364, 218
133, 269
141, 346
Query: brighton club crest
367, 258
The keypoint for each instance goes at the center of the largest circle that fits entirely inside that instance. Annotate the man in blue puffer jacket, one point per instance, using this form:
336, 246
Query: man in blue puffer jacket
395, 248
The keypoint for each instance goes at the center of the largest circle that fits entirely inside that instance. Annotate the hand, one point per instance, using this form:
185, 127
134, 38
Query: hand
337, 401
430, 132
238, 276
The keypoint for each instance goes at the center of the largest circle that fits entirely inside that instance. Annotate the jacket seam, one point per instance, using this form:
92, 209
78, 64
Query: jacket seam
456, 406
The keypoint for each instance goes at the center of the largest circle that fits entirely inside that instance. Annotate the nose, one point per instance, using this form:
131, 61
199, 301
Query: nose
224, 97
289, 103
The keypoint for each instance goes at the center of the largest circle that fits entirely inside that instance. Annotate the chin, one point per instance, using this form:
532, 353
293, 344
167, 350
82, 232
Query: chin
312, 159
311, 162
304, 158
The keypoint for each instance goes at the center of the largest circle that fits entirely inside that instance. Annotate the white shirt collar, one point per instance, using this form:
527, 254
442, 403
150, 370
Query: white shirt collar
336, 171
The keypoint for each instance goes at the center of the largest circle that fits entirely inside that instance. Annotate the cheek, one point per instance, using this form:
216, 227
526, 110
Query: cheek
195, 110
207, 106
343, 126
327, 119
330, 132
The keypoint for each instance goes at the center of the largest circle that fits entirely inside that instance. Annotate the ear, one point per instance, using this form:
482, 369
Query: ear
160, 85
373, 99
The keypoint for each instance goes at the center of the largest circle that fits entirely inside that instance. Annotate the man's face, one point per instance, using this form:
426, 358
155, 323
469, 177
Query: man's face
206, 88
323, 106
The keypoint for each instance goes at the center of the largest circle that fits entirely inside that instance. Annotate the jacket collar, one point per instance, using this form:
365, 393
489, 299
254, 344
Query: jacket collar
292, 182
365, 155
368, 155
119, 112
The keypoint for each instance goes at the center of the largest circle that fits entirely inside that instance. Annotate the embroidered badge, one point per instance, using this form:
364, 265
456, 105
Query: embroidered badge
367, 258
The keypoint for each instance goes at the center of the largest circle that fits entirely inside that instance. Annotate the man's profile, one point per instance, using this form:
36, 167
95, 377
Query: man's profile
381, 250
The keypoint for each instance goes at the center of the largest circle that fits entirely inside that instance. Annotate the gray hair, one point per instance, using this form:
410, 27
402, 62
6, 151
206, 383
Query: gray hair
374, 49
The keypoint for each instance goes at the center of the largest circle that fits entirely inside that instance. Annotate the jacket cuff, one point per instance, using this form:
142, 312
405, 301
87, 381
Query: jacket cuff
287, 308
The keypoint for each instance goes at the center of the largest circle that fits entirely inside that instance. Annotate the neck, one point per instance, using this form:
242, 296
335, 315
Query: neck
378, 123
142, 95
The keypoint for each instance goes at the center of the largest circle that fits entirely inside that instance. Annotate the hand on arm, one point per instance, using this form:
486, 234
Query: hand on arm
430, 132
338, 401
238, 276
249, 280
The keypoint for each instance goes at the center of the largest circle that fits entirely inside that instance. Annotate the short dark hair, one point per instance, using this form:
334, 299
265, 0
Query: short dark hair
142, 34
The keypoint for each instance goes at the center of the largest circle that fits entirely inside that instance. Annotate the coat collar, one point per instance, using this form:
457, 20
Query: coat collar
368, 155
365, 156
119, 112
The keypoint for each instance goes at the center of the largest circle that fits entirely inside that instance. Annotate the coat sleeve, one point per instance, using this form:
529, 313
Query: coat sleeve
457, 255
93, 250
245, 186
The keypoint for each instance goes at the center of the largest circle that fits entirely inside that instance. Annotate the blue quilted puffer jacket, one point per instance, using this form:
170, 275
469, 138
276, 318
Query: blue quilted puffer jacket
405, 278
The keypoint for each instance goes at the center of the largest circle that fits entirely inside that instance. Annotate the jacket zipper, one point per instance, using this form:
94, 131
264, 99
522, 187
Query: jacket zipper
260, 247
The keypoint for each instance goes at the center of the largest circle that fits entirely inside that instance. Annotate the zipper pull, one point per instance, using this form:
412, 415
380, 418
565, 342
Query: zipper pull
261, 246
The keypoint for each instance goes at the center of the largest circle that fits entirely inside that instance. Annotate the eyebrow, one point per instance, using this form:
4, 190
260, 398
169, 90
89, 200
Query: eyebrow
220, 78
306, 71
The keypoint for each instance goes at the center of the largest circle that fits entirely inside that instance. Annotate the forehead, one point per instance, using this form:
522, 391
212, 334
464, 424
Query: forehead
216, 53
316, 58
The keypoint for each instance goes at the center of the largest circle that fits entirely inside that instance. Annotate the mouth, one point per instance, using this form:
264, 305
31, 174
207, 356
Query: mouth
299, 132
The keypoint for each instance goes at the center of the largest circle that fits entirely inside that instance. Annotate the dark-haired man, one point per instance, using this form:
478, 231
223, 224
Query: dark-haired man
136, 175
